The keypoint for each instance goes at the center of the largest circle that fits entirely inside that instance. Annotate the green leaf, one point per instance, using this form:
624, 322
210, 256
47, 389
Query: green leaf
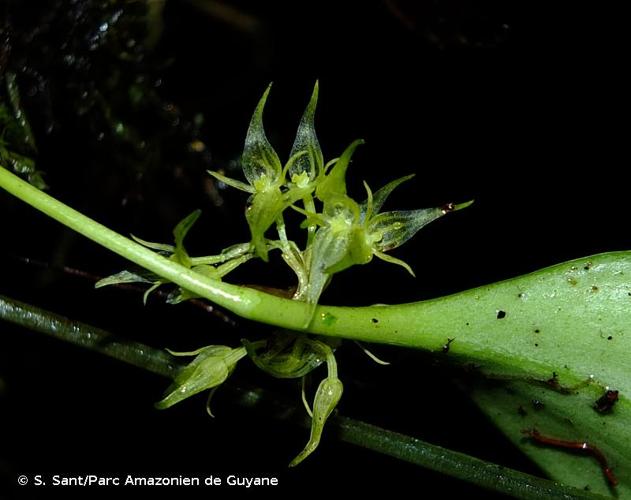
259, 159
306, 154
516, 407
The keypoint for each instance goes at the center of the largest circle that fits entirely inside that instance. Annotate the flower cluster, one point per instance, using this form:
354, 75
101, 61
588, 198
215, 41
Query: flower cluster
344, 232
340, 232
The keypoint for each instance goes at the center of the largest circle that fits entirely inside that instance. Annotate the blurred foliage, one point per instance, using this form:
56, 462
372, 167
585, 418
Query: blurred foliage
90, 78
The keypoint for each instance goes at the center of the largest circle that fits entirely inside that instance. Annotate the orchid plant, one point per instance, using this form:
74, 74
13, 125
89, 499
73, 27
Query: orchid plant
340, 234
579, 366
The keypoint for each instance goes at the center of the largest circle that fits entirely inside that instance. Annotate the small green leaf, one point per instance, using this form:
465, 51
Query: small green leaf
306, 152
259, 159
326, 399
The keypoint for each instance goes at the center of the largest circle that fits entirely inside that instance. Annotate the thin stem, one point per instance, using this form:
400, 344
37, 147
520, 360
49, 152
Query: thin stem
349, 430
310, 207
453, 463
90, 337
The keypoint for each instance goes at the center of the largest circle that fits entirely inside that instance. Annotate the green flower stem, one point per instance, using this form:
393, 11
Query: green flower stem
495, 326
406, 448
240, 300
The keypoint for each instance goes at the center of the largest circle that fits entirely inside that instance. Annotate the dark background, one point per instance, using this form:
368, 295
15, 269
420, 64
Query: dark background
522, 106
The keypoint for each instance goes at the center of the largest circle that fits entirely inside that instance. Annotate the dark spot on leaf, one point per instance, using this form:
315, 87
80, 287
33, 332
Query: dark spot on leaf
536, 345
501, 314
447, 345
610, 337
605, 403
375, 320
537, 330
587, 266
554, 381
537, 404
594, 288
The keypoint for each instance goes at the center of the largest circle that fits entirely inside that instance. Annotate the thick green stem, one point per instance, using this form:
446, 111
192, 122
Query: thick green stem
497, 325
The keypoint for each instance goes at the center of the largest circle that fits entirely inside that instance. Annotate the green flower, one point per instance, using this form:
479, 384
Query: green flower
210, 368
351, 233
270, 193
326, 399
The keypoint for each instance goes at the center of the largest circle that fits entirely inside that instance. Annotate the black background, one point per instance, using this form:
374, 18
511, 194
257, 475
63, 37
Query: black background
522, 106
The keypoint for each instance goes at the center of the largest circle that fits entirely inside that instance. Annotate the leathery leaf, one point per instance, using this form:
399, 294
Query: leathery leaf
569, 328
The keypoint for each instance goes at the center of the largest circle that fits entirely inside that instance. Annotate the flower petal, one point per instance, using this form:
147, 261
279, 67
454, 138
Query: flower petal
285, 355
210, 368
334, 184
394, 260
306, 154
259, 158
391, 229
242, 186
179, 233
326, 399
263, 209
380, 197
